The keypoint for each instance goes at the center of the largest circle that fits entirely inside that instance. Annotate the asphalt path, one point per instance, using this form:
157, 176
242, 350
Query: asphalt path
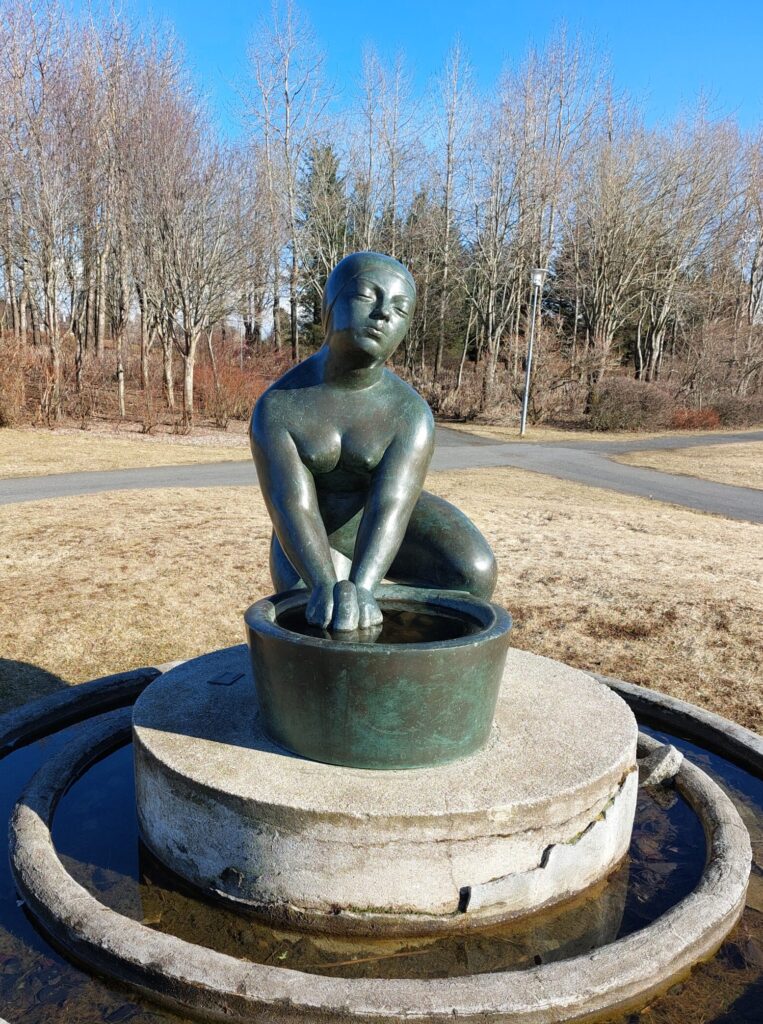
585, 462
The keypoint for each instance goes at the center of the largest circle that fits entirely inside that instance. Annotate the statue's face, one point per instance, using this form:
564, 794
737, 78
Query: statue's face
371, 315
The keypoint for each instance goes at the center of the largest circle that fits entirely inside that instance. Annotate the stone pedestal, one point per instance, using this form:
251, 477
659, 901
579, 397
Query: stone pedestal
540, 814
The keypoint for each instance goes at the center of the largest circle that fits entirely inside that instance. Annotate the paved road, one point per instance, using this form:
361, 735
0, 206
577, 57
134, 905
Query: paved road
586, 462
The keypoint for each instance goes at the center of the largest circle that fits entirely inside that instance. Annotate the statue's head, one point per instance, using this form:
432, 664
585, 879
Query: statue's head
368, 303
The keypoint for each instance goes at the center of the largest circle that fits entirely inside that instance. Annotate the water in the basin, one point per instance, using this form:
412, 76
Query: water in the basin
400, 626
95, 830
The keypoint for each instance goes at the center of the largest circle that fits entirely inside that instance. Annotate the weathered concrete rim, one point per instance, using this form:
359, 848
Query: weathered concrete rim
220, 987
49, 714
721, 736
156, 711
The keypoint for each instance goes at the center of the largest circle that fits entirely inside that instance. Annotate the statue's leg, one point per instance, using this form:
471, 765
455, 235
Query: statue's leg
444, 550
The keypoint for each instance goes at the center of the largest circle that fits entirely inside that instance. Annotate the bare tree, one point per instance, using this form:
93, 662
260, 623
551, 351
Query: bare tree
492, 277
36, 71
607, 233
454, 109
286, 107
692, 189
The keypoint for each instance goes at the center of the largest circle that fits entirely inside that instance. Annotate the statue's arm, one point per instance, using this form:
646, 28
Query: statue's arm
289, 492
395, 489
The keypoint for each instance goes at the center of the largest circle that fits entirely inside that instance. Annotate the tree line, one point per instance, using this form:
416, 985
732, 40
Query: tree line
134, 234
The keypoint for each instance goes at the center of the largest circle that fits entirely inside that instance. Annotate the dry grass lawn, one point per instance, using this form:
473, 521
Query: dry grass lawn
28, 452
737, 464
653, 594
500, 432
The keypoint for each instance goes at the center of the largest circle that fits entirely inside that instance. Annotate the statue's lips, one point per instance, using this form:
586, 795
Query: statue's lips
374, 333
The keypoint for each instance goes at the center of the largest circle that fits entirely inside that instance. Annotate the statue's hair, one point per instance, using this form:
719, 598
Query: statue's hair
355, 265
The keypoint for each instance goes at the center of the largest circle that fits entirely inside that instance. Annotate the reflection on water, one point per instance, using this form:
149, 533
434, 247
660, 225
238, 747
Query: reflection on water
96, 832
399, 626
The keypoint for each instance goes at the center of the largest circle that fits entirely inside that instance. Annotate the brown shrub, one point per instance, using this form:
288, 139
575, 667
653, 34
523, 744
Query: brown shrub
739, 412
621, 403
96, 394
444, 400
229, 395
695, 419
12, 383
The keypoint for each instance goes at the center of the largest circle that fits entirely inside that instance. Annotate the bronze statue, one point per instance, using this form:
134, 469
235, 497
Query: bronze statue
342, 446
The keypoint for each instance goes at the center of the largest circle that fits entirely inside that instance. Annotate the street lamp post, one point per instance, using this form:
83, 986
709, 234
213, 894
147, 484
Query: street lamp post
536, 279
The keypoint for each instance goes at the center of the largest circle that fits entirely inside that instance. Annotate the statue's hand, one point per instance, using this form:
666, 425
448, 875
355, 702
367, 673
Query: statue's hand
320, 606
354, 608
369, 612
346, 613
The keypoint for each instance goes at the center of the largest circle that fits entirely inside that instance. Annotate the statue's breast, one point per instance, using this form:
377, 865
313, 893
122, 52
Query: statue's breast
319, 450
361, 453
350, 437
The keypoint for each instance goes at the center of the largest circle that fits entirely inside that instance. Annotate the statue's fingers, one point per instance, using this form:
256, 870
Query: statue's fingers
369, 612
346, 613
320, 607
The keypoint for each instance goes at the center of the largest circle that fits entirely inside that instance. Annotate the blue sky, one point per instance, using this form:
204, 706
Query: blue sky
664, 53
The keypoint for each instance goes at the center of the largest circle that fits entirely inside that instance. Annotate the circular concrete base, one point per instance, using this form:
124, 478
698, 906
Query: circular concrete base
543, 812
619, 975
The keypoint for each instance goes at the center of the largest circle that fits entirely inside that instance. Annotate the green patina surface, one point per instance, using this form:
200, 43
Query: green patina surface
342, 447
383, 706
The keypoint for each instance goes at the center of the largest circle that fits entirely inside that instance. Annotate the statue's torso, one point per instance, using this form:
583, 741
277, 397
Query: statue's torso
341, 435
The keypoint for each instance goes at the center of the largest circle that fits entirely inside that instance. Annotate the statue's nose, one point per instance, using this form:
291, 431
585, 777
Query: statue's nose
382, 311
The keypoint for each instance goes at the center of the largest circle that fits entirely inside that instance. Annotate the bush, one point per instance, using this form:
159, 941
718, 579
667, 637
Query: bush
442, 397
695, 419
622, 403
739, 412
12, 385
232, 396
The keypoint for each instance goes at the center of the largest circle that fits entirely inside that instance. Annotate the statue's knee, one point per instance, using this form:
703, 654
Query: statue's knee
475, 569
482, 573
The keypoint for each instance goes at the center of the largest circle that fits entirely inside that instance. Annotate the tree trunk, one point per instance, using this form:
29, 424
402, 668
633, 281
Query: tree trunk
79, 359
100, 308
277, 340
464, 350
653, 353
145, 347
293, 311
35, 322
189, 361
168, 374
54, 347
488, 380
11, 301
119, 346
22, 314
441, 313
639, 353
91, 319
213, 362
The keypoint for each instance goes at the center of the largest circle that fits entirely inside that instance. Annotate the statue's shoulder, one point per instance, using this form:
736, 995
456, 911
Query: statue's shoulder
282, 400
411, 400
405, 392
284, 392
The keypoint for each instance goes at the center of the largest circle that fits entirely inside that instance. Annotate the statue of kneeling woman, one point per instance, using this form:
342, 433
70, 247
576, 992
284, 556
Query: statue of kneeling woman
342, 446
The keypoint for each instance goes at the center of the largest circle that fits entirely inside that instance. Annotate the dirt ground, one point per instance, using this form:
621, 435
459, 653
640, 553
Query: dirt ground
737, 464
666, 597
